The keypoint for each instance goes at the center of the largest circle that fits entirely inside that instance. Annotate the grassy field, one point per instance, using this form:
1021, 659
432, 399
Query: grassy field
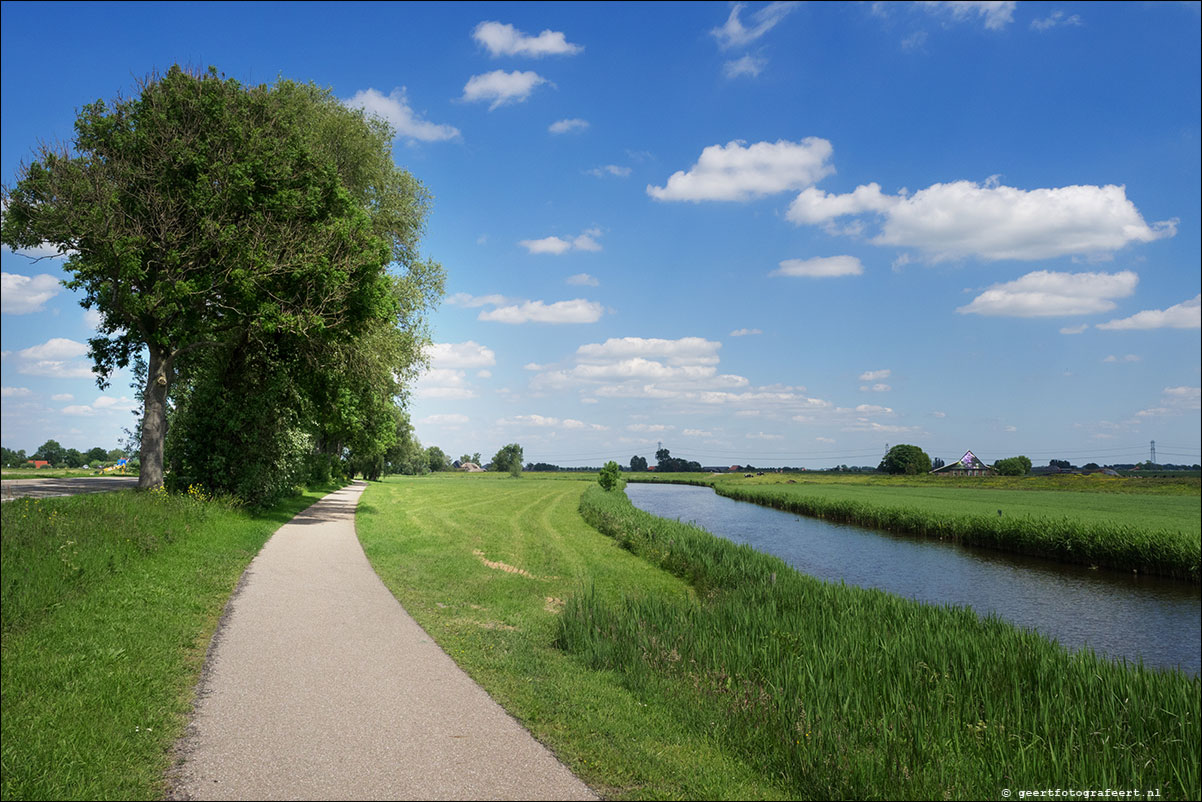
62, 473
108, 605
485, 564
1155, 528
662, 662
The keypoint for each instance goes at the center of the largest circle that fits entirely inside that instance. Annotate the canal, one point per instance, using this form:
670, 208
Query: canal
1132, 617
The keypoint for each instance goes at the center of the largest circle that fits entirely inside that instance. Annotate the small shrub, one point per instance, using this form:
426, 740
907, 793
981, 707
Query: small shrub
611, 476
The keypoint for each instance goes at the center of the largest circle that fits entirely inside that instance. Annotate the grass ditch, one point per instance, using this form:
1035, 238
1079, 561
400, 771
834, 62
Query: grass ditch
109, 601
1104, 530
842, 692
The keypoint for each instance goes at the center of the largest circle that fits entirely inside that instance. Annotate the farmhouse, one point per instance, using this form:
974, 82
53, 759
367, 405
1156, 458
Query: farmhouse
968, 465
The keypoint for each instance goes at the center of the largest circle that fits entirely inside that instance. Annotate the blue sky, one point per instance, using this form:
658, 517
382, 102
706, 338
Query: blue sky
776, 233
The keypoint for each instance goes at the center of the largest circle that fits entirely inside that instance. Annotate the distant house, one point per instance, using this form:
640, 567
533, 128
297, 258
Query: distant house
456, 464
38, 463
968, 465
736, 468
470, 467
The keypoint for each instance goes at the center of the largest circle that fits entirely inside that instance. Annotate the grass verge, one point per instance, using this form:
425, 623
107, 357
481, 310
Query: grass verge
484, 565
109, 601
1154, 534
841, 692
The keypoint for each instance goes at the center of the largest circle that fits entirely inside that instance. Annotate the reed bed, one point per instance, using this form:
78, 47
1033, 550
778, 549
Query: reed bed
843, 692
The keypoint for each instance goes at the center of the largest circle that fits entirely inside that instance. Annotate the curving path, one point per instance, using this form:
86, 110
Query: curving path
320, 686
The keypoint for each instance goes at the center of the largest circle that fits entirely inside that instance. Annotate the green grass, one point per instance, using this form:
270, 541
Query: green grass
63, 473
109, 602
1158, 533
841, 692
422, 536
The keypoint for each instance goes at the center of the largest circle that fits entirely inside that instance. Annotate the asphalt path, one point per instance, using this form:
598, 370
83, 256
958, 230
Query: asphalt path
319, 685
46, 488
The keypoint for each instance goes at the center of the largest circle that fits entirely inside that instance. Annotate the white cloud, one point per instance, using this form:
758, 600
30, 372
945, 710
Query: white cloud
1074, 329
576, 310
1127, 358
582, 280
991, 221
503, 39
121, 404
747, 65
879, 387
61, 397
1175, 401
553, 245
1054, 20
648, 427
996, 14
697, 433
448, 384
875, 375
939, 414
501, 87
25, 295
544, 422
396, 110
1185, 315
472, 301
764, 436
568, 126
1045, 293
745, 332
608, 170
43, 251
15, 392
468, 354
734, 34
685, 351
78, 410
445, 419
92, 318
585, 241
57, 358
820, 267
735, 172
827, 440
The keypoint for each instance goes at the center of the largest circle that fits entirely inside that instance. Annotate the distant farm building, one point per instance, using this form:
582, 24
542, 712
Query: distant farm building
38, 463
470, 467
968, 465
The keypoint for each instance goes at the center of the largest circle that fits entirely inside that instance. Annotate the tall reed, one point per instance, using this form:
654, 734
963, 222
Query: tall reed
846, 692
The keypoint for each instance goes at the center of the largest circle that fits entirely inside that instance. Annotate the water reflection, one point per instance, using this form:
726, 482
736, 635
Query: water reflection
1128, 616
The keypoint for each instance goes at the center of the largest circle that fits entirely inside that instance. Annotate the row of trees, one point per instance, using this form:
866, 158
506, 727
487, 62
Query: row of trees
55, 454
253, 254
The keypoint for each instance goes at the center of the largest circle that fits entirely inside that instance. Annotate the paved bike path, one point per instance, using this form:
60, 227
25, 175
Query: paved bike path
320, 686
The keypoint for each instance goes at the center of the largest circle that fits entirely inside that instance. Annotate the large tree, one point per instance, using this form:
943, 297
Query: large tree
203, 214
906, 459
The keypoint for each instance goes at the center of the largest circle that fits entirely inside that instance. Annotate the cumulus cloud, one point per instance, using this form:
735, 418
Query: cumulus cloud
445, 419
468, 354
568, 126
764, 436
472, 301
995, 14
733, 33
875, 375
57, 358
820, 267
1185, 315
1074, 329
1175, 401
747, 65
648, 427
697, 433
15, 392
501, 87
745, 332
582, 280
739, 172
1055, 20
991, 221
396, 110
62, 397
1127, 358
24, 295
576, 310
685, 351
502, 39
545, 422
879, 387
585, 241
1045, 293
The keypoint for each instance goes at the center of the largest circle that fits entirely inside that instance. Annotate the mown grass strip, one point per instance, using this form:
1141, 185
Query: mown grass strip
444, 546
109, 601
842, 692
1117, 544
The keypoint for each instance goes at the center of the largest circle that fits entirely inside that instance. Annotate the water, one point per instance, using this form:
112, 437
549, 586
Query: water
1116, 614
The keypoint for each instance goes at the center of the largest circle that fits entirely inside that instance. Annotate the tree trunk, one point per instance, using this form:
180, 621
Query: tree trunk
154, 420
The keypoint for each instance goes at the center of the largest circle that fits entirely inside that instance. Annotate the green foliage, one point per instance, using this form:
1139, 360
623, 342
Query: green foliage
215, 225
610, 477
638, 464
437, 459
664, 461
50, 451
848, 693
1013, 466
509, 458
906, 459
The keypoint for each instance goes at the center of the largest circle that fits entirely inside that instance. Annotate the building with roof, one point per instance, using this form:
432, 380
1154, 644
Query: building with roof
968, 465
